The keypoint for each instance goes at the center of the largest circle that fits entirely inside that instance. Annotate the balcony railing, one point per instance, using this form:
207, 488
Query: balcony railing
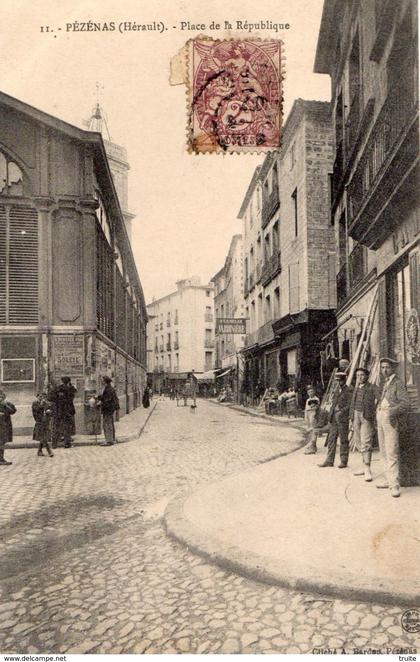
168, 347
161, 348
258, 272
341, 281
209, 343
388, 137
208, 317
338, 169
271, 268
357, 265
352, 126
176, 344
270, 205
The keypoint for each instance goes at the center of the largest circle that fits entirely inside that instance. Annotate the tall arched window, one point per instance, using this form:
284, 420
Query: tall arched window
11, 177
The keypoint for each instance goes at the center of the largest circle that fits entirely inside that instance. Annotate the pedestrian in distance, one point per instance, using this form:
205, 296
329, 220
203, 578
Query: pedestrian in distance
311, 410
362, 420
109, 404
394, 403
42, 413
62, 398
7, 409
339, 423
146, 398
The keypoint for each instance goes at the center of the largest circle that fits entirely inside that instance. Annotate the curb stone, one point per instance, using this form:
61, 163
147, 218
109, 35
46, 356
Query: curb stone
267, 571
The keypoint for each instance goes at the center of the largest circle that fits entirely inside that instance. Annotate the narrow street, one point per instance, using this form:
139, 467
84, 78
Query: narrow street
86, 565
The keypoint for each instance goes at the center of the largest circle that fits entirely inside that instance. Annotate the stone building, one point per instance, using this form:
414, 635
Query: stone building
181, 333
71, 301
289, 253
229, 303
370, 50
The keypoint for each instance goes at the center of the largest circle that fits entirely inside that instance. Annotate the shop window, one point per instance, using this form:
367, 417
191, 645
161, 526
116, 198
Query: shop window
402, 313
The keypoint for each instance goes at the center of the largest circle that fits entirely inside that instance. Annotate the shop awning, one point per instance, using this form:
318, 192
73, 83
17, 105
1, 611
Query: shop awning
205, 376
226, 372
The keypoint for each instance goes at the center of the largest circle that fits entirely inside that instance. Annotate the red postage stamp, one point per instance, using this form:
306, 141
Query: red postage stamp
235, 95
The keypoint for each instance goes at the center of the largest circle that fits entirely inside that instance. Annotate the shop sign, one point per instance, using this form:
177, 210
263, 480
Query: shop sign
69, 355
17, 370
231, 325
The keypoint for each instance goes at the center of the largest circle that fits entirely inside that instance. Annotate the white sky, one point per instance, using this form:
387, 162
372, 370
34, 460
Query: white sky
186, 205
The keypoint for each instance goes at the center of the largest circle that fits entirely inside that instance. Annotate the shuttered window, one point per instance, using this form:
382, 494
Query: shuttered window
104, 285
18, 265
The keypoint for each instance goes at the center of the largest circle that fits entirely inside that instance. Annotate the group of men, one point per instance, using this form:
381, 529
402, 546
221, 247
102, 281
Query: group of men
362, 412
54, 412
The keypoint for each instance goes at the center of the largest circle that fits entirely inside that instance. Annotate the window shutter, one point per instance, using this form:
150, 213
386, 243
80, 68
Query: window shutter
23, 266
382, 317
3, 255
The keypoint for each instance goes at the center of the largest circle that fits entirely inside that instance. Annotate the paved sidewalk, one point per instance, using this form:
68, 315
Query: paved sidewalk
289, 522
128, 428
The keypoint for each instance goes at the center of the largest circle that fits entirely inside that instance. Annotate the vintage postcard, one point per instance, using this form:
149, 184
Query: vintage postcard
209, 328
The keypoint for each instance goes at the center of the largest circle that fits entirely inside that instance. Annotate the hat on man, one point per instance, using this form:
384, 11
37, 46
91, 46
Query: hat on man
365, 370
107, 379
340, 375
387, 359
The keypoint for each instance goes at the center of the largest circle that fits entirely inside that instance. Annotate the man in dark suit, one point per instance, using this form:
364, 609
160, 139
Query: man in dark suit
339, 423
110, 404
362, 419
394, 402
62, 398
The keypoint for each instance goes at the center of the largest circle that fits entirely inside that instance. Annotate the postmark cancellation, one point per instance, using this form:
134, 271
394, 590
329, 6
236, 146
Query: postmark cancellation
234, 95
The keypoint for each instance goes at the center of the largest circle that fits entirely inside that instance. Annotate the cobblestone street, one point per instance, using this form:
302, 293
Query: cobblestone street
86, 565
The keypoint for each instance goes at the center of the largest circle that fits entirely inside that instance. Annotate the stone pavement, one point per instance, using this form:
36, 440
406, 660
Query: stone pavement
86, 565
128, 428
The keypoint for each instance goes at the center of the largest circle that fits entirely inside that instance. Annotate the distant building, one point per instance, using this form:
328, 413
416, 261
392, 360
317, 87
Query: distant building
229, 302
289, 252
71, 301
181, 333
370, 50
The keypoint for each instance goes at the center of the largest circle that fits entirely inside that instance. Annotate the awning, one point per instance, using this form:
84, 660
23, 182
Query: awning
226, 372
205, 376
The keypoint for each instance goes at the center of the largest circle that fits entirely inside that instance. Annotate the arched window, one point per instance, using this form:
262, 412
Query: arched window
11, 177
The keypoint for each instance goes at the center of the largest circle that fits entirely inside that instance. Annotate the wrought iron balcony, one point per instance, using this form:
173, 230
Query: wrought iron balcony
258, 272
341, 282
389, 155
357, 265
271, 268
269, 206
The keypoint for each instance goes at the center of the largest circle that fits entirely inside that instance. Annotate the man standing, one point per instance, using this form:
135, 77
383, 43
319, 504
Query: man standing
62, 397
6, 429
362, 419
339, 423
393, 402
110, 404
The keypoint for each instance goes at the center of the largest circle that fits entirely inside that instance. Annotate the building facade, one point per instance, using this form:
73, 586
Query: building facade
289, 251
229, 303
181, 333
71, 301
370, 50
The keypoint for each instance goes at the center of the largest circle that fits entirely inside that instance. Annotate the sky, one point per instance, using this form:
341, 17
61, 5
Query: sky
186, 205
